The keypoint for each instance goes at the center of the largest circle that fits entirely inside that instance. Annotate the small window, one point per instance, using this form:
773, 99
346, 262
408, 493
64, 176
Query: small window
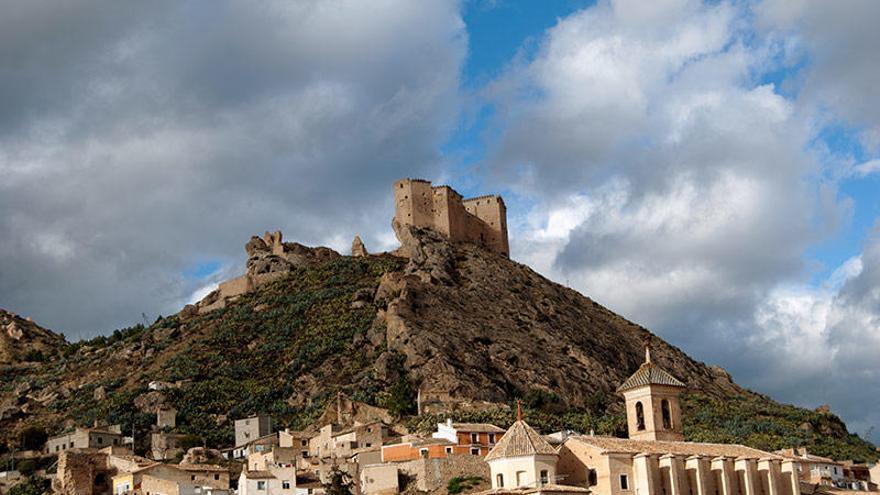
305, 443
666, 413
475, 438
520, 478
449, 450
592, 478
423, 453
192, 478
475, 451
115, 441
545, 477
285, 485
216, 477
261, 485
491, 438
100, 439
369, 444
640, 416
499, 480
370, 430
624, 482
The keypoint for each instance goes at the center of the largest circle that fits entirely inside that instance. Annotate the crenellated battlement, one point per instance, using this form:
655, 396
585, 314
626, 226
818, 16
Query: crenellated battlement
481, 220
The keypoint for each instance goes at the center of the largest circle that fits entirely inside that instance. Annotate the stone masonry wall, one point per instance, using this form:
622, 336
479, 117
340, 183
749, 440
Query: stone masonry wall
481, 220
431, 474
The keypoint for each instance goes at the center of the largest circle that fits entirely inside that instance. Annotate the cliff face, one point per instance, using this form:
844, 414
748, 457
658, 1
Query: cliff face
478, 325
458, 323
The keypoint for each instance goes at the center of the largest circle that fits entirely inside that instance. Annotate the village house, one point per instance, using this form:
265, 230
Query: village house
274, 481
469, 438
249, 429
85, 438
295, 439
90, 471
411, 448
655, 459
858, 476
261, 444
815, 469
169, 479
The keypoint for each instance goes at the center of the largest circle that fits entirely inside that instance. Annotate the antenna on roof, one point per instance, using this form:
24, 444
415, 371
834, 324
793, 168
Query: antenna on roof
518, 410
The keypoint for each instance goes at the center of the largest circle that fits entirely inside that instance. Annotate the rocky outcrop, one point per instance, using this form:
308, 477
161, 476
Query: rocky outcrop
22, 340
357, 247
269, 258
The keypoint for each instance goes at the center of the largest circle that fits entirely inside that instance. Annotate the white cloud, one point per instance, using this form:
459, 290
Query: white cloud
676, 188
867, 168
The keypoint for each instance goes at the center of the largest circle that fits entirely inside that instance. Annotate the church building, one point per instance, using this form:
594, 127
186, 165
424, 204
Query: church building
655, 459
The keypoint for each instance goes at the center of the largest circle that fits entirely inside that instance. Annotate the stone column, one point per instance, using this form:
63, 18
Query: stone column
750, 475
724, 468
790, 477
697, 464
770, 467
645, 469
676, 473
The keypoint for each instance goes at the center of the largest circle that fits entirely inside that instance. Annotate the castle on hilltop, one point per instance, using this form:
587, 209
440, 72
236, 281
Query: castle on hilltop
481, 220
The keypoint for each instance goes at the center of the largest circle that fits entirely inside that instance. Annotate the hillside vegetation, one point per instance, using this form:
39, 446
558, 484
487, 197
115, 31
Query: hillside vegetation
451, 318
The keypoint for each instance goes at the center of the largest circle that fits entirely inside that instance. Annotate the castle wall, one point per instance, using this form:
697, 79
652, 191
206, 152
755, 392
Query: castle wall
481, 220
493, 214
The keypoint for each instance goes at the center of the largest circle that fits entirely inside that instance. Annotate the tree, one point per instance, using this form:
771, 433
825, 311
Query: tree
32, 485
339, 484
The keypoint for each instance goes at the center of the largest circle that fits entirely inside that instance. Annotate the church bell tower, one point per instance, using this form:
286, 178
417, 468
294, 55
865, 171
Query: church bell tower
653, 411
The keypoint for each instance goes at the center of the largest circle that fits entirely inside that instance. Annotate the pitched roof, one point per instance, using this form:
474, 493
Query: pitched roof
477, 428
649, 374
520, 439
257, 475
629, 446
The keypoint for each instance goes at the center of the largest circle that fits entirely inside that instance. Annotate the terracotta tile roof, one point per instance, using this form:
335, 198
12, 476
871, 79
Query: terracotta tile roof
649, 374
477, 428
520, 439
258, 475
806, 457
626, 445
201, 467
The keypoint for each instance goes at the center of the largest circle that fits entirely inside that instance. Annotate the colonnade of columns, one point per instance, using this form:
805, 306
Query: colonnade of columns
701, 475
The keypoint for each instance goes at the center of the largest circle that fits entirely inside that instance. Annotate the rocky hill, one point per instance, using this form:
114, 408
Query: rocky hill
22, 340
469, 329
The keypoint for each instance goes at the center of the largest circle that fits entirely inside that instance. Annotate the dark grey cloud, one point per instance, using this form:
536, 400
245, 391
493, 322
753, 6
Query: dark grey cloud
138, 141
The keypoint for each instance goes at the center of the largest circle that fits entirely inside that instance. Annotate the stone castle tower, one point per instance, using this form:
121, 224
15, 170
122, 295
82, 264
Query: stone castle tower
652, 408
481, 220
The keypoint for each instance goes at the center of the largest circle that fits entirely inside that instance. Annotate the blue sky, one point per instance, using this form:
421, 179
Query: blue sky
707, 169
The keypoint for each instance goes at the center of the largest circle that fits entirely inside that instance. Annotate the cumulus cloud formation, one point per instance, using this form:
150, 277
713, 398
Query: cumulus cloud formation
139, 141
675, 186
840, 42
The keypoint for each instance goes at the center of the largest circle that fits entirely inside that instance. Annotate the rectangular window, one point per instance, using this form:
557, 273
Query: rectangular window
624, 482
261, 485
475, 438
475, 451
192, 478
285, 485
491, 438
423, 453
545, 477
216, 477
448, 450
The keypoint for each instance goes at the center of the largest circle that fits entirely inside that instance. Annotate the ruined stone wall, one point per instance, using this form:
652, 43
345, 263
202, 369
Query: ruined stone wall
431, 474
82, 473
